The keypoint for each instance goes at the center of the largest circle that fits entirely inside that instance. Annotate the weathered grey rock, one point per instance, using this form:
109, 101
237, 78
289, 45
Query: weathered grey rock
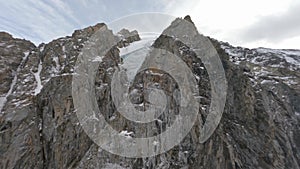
125, 37
39, 129
13, 56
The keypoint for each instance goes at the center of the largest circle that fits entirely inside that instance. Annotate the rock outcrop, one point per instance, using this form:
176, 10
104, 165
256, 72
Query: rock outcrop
126, 37
39, 128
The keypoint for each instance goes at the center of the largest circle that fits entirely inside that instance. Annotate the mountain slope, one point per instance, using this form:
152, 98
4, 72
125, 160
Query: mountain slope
259, 128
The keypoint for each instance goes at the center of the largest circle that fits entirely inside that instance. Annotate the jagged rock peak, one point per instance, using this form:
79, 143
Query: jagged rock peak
88, 31
8, 38
125, 37
127, 33
188, 18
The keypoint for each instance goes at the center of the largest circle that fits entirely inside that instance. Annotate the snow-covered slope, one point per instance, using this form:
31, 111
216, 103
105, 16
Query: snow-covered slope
135, 53
267, 65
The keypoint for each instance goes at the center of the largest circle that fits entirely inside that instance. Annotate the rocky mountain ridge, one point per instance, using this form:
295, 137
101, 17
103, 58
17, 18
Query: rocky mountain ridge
260, 127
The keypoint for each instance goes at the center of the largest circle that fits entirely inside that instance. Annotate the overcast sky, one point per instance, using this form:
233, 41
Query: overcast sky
248, 23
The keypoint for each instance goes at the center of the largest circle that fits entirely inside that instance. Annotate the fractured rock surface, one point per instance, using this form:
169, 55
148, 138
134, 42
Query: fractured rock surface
260, 126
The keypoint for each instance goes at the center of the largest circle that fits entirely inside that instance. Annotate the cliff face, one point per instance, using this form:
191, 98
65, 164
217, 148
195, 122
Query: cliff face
260, 126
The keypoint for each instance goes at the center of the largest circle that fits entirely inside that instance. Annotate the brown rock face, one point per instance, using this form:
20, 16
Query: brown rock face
39, 128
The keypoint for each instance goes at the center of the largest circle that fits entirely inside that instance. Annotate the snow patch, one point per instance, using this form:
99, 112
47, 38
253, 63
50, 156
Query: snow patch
3, 100
268, 81
156, 143
56, 60
134, 55
292, 60
134, 46
126, 134
291, 52
98, 59
37, 77
112, 118
64, 52
9, 46
42, 48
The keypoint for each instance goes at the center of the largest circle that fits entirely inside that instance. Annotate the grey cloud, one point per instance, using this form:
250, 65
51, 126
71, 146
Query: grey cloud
274, 28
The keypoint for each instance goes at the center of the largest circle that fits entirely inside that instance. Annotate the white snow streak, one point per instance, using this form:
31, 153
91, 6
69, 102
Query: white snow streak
3, 100
38, 79
56, 60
